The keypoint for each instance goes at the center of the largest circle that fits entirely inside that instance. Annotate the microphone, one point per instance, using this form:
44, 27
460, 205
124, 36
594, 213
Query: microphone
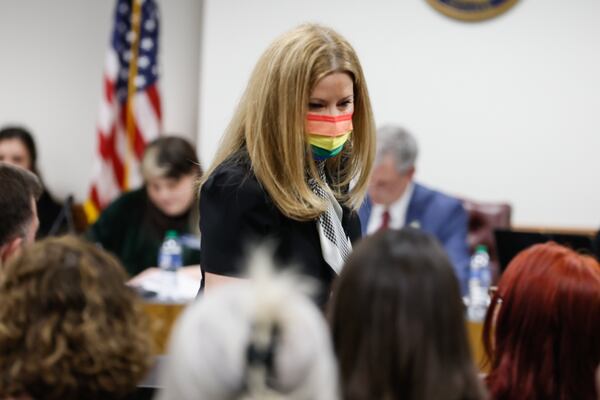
65, 214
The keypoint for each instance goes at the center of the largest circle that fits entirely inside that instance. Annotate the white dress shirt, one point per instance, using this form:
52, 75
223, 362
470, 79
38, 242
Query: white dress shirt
397, 212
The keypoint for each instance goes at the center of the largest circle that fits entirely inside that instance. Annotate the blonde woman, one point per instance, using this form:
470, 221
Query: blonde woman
302, 132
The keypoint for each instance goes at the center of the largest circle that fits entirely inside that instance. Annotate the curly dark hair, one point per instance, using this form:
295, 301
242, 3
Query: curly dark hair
69, 326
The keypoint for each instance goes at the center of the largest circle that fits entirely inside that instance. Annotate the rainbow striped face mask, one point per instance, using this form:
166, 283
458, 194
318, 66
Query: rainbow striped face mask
327, 134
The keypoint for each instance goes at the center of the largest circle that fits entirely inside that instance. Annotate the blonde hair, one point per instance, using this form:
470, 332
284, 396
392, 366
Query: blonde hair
269, 123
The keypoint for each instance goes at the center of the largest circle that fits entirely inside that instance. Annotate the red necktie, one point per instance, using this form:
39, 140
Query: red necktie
385, 220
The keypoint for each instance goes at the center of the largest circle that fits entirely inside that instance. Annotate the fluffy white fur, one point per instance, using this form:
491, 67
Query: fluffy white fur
207, 354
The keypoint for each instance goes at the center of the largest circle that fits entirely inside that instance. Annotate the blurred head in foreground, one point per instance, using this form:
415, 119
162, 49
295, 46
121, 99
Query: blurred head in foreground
398, 323
541, 330
254, 339
19, 190
69, 327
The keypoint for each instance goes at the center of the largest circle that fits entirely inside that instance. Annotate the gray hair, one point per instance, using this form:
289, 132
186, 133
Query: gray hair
399, 143
211, 346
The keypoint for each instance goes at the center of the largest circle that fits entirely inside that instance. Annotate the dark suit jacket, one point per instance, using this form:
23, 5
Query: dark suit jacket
48, 211
440, 215
597, 244
237, 213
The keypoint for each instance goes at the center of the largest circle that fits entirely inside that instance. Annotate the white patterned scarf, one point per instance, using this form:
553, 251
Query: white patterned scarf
335, 244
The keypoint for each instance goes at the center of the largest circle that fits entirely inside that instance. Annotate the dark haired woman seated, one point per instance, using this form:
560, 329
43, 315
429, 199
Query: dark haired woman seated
542, 328
17, 147
134, 225
398, 322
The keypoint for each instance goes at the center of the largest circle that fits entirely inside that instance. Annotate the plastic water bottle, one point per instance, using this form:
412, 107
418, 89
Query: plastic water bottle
479, 284
169, 261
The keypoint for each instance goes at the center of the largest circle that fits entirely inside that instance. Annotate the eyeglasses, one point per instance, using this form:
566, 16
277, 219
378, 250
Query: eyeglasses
492, 291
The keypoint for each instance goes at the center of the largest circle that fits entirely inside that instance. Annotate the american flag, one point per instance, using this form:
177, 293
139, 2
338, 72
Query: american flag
130, 111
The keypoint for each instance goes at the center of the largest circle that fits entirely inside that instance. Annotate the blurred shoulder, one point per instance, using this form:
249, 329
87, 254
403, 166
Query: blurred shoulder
126, 205
233, 177
435, 197
132, 197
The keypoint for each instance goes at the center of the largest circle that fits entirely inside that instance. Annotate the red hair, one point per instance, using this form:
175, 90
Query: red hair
541, 330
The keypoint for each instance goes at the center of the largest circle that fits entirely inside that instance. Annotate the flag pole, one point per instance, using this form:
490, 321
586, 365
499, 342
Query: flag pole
136, 19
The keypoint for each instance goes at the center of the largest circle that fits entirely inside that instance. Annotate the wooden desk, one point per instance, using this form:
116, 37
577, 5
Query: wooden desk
163, 317
582, 231
474, 331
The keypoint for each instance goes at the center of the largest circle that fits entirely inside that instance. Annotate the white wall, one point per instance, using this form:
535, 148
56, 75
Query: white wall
51, 61
504, 110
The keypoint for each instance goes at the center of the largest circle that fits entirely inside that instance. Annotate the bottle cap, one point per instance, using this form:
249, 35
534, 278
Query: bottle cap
481, 247
171, 234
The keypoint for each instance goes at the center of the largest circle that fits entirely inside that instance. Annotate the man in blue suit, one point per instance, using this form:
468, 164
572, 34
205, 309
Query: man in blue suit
395, 200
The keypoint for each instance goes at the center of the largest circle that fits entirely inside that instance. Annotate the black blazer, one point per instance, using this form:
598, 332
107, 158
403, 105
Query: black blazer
236, 213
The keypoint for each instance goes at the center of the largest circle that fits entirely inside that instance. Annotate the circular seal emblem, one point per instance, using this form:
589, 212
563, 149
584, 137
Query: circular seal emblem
471, 10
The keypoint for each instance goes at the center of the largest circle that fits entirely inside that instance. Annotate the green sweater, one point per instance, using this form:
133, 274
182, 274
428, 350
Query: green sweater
133, 230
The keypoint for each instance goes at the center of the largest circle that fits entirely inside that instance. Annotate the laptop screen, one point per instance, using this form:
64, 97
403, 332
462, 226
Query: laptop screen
510, 243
